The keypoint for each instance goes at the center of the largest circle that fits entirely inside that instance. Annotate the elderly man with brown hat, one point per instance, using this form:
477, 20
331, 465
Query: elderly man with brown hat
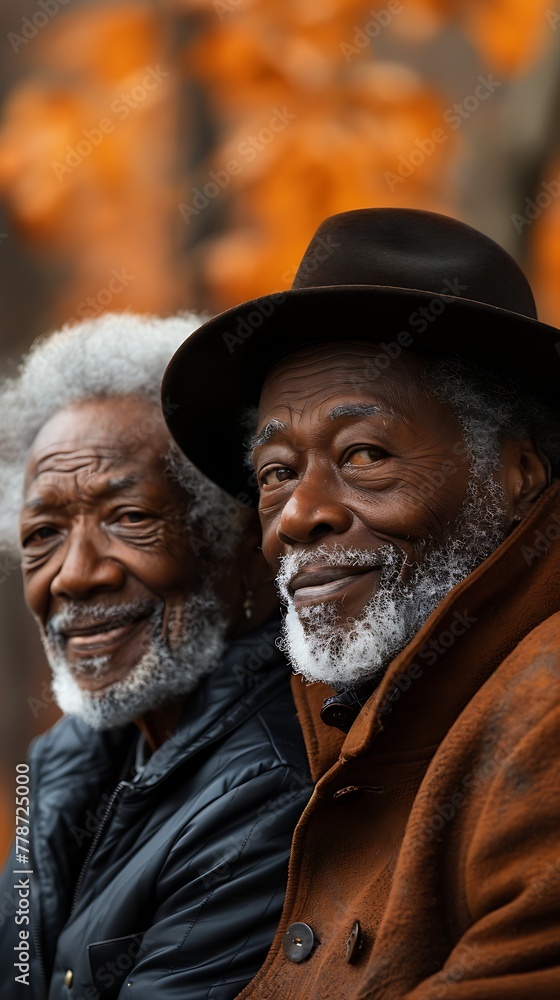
406, 450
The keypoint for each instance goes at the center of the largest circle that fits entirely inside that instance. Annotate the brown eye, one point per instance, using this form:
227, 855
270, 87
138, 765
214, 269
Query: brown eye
42, 534
275, 476
366, 456
133, 517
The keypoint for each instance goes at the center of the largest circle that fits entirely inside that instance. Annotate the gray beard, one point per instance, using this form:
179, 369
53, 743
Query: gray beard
321, 647
165, 672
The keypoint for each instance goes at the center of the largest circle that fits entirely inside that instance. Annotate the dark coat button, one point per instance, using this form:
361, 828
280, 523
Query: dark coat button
354, 943
338, 716
299, 941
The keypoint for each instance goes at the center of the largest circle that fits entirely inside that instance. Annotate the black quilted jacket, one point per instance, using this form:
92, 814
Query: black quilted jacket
168, 882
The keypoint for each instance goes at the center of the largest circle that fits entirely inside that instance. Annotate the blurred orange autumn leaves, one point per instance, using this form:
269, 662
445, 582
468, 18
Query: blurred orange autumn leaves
87, 158
355, 117
305, 108
509, 34
346, 119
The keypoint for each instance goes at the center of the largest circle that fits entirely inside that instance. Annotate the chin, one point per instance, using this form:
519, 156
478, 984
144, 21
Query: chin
91, 682
323, 647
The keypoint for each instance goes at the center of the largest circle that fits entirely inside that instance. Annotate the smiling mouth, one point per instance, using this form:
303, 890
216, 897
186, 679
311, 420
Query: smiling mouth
100, 636
313, 586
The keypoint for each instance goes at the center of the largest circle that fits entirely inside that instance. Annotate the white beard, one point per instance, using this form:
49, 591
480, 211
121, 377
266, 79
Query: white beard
162, 673
344, 654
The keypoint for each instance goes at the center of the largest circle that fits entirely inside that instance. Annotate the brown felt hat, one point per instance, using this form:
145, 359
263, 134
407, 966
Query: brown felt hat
401, 277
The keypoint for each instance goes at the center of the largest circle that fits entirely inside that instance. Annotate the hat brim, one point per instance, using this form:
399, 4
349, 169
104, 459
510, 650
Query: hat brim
218, 372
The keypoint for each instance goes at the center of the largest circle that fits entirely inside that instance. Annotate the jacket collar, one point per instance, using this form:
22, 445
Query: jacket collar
468, 635
251, 674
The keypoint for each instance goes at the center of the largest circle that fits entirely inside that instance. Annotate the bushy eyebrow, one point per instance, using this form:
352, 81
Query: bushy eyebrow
344, 410
107, 489
354, 410
272, 427
122, 483
34, 503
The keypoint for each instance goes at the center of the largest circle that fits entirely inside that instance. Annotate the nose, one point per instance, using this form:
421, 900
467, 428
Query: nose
86, 568
314, 510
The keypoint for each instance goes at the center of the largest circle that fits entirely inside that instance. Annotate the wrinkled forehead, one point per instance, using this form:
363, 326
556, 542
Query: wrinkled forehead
99, 435
356, 371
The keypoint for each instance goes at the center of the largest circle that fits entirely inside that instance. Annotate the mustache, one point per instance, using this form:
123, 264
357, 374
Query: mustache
387, 557
76, 615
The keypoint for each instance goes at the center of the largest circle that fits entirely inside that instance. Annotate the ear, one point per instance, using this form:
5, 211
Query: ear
525, 473
255, 571
247, 575
255, 576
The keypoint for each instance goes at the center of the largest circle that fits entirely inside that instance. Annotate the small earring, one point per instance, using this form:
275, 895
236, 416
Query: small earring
249, 604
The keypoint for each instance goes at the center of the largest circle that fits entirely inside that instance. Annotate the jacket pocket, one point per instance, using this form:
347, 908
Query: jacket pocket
111, 961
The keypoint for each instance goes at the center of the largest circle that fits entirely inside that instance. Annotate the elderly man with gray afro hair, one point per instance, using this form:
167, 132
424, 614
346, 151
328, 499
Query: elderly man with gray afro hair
161, 806
93, 360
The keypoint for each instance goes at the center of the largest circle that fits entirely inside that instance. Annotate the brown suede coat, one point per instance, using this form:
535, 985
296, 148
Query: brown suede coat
436, 822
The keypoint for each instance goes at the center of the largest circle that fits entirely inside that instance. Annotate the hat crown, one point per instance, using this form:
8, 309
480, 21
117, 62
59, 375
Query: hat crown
413, 249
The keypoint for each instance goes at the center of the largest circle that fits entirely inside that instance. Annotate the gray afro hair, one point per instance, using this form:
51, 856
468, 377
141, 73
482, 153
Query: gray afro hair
115, 354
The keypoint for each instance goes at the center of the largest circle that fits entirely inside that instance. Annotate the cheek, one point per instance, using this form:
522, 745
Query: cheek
173, 626
442, 489
36, 592
271, 545
166, 572
420, 504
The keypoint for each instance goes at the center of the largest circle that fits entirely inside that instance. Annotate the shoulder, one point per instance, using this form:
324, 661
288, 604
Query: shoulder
528, 679
67, 735
71, 746
544, 638
512, 739
259, 708
265, 747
